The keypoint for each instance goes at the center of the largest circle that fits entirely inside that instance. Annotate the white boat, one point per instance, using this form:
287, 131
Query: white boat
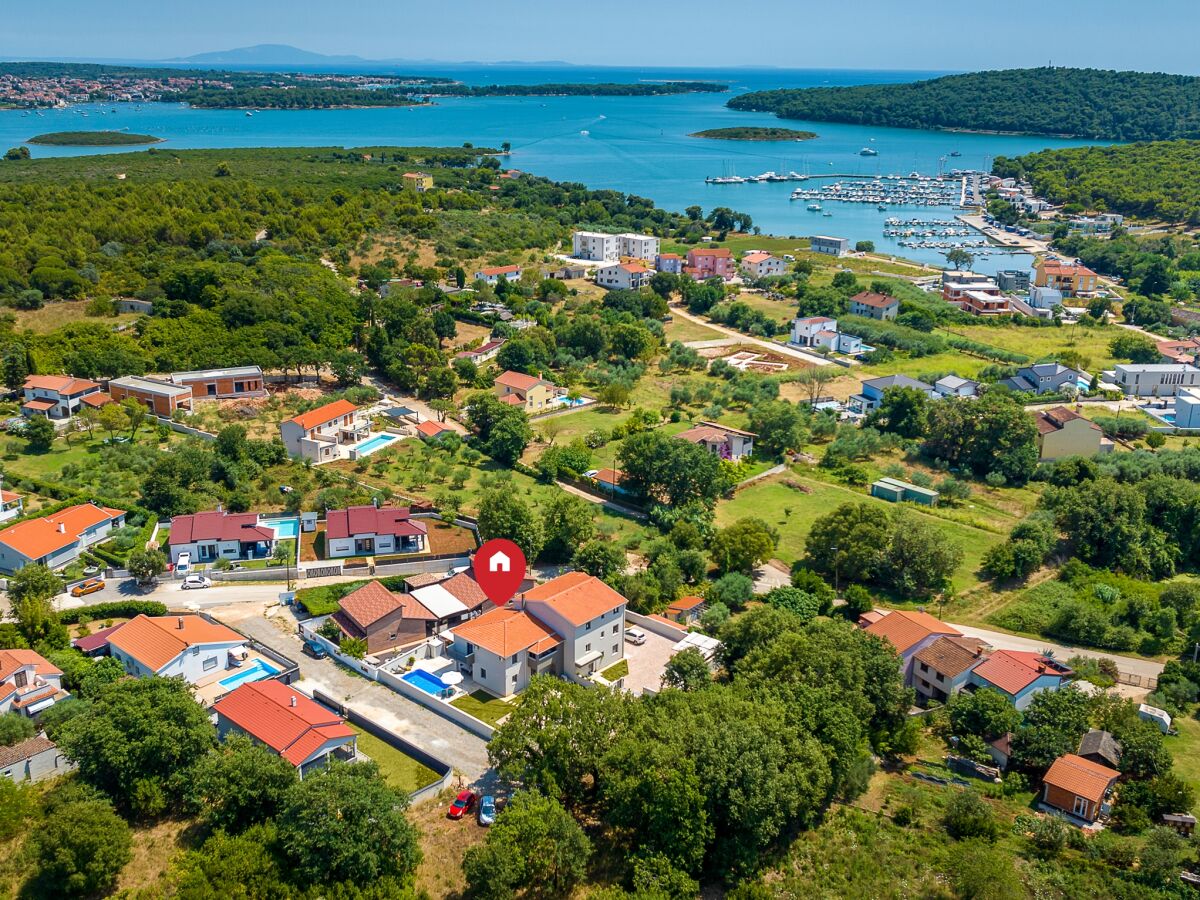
585, 133
868, 151
814, 207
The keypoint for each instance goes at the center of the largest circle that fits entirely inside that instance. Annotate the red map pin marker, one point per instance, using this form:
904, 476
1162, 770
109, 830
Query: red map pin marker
499, 568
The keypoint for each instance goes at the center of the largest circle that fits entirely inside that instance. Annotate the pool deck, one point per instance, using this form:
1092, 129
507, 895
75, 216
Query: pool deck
209, 689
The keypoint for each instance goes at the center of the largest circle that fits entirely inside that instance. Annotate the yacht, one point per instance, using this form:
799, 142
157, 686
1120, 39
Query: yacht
955, 153
868, 151
814, 207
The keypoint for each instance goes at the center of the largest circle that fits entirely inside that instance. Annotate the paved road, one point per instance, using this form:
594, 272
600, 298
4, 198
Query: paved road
421, 726
1147, 668
812, 359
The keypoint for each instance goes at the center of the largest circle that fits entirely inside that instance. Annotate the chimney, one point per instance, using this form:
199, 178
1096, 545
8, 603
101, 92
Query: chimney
179, 623
292, 700
62, 528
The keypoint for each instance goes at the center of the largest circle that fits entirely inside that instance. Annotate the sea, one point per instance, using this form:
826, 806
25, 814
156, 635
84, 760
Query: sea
637, 145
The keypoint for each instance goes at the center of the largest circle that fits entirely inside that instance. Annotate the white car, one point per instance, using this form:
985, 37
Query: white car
195, 581
635, 636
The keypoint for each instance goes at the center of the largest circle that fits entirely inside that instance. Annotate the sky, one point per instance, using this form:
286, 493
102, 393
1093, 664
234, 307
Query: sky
1152, 35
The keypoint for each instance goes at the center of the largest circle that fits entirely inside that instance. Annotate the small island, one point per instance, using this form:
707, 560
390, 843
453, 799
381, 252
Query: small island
754, 133
93, 139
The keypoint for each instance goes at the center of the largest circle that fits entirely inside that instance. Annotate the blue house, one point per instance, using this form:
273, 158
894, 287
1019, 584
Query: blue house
1019, 674
871, 394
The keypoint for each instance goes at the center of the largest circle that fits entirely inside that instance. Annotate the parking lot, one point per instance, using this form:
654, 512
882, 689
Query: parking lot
646, 662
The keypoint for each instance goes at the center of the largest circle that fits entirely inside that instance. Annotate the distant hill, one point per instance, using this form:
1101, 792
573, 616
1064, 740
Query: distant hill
1084, 103
267, 55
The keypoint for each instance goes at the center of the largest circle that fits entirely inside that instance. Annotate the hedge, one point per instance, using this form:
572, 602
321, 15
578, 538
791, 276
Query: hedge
323, 601
114, 609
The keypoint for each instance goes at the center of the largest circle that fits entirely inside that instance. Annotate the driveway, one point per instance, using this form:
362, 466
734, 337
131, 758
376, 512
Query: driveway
646, 662
466, 752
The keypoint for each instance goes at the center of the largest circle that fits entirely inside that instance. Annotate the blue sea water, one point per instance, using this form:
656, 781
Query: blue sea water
637, 145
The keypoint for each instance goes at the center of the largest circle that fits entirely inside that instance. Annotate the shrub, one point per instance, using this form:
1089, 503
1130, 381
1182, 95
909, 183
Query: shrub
114, 609
969, 816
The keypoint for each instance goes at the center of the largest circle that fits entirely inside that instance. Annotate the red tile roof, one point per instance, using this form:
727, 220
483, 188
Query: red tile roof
429, 428
870, 298
323, 414
1081, 777
38, 405
1014, 670
577, 597
65, 385
505, 632
281, 717
35, 538
905, 629
393, 520
25, 749
519, 381
685, 604
95, 640
948, 656
1055, 419
100, 398
499, 270
368, 604
155, 641
719, 252
218, 525
11, 660
609, 477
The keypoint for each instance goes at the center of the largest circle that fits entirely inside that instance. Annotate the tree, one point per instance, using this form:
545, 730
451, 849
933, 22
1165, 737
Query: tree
566, 525
242, 865
1135, 347
135, 737
958, 257
990, 434
1143, 755
33, 583
347, 824
39, 434
135, 415
239, 784
743, 546
113, 418
80, 849
601, 558
903, 411
687, 670
779, 426
969, 816
14, 728
732, 590
864, 247
664, 469
503, 514
146, 565
803, 605
850, 542
15, 153
534, 841
814, 381
982, 872
501, 431
986, 713
920, 558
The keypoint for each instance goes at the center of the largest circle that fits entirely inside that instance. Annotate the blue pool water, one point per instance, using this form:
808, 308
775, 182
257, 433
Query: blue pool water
426, 681
376, 443
255, 672
285, 528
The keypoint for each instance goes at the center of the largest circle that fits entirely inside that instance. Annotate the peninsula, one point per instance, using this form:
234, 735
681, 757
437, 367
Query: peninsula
1084, 103
754, 133
93, 139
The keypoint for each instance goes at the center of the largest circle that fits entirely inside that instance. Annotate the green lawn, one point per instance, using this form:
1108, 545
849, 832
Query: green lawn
1186, 749
1037, 343
617, 670
792, 512
400, 769
483, 706
681, 329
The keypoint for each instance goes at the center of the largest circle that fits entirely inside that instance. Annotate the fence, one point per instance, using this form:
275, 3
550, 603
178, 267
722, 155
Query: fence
656, 626
1149, 682
400, 686
443, 770
180, 428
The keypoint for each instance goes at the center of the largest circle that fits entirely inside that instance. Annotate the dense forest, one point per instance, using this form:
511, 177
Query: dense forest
1086, 103
1158, 179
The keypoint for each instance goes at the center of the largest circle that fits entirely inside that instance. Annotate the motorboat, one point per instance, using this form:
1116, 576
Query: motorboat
868, 151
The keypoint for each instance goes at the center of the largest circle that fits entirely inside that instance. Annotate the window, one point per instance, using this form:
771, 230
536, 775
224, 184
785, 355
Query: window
514, 658
616, 649
1081, 806
209, 664
210, 389
616, 628
21, 679
514, 681
587, 627
587, 648
483, 673
924, 668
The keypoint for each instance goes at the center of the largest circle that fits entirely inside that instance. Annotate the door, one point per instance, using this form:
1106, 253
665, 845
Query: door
1081, 807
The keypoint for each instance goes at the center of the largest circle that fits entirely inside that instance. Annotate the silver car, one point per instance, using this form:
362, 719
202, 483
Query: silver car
195, 581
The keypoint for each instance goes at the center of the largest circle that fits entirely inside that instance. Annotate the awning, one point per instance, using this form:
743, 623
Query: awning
587, 659
35, 708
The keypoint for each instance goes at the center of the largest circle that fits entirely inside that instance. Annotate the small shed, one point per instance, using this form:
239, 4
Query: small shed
894, 491
1183, 823
1101, 747
1159, 717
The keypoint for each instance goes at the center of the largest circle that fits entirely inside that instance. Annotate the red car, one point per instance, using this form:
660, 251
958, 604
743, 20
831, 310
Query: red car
462, 805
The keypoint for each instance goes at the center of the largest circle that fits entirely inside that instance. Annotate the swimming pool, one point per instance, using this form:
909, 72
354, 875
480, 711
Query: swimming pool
376, 443
426, 681
284, 528
566, 401
257, 671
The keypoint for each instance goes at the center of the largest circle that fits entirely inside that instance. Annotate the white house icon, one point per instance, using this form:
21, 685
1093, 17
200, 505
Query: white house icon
499, 562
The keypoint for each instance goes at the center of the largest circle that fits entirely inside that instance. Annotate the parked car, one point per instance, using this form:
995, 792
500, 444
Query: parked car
87, 587
184, 563
487, 811
635, 636
463, 804
315, 650
196, 581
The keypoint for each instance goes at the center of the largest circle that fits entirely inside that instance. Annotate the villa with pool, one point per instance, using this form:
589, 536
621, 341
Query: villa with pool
337, 430
211, 657
238, 537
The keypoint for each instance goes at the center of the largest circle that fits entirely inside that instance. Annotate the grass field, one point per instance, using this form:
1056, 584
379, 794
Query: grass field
57, 314
1038, 343
400, 769
681, 329
792, 512
483, 706
1185, 748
